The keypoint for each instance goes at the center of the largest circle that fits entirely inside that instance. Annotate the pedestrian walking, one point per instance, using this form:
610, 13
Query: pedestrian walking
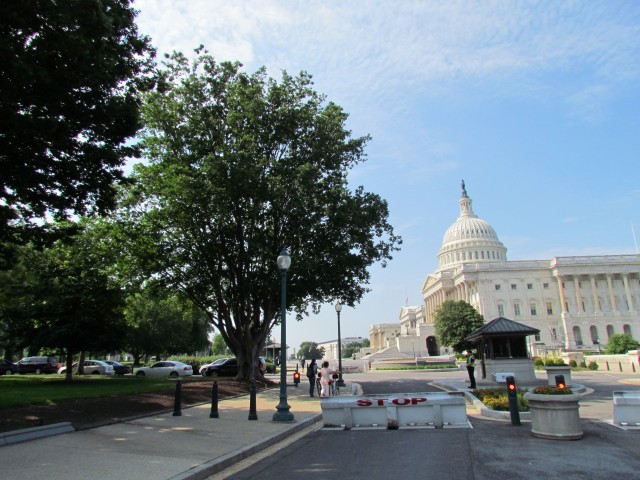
471, 367
326, 378
312, 371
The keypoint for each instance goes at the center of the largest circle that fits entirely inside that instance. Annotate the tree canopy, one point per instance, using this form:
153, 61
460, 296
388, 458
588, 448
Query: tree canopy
309, 351
239, 167
454, 321
621, 343
70, 72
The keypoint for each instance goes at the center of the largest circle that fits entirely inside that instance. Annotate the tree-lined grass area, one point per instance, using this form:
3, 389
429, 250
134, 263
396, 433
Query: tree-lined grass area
24, 390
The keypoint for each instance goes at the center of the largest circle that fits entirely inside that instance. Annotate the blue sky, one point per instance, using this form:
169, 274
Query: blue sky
535, 104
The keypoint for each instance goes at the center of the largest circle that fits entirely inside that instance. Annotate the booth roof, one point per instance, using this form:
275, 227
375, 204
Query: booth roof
502, 327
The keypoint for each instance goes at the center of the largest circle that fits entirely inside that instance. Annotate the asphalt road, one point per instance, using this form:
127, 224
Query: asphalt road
489, 450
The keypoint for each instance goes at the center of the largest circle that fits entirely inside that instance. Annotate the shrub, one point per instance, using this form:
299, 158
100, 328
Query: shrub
559, 362
538, 362
549, 362
583, 364
573, 364
593, 365
497, 399
552, 390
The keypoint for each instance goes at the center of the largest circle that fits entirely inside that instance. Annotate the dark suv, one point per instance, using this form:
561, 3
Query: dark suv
38, 365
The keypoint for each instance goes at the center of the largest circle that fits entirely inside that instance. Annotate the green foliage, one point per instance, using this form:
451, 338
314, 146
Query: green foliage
61, 298
621, 343
71, 71
573, 364
240, 166
23, 390
352, 348
218, 346
310, 351
454, 321
559, 362
539, 362
593, 365
552, 390
498, 399
550, 362
163, 324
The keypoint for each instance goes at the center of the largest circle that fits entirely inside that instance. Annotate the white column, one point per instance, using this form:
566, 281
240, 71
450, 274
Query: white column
576, 281
612, 296
627, 291
596, 301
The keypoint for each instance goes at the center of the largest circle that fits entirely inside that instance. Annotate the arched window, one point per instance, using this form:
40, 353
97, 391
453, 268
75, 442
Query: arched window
626, 328
609, 330
594, 334
577, 335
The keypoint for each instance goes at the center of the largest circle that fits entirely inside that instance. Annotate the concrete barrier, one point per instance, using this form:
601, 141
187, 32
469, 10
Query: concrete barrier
26, 434
435, 410
626, 408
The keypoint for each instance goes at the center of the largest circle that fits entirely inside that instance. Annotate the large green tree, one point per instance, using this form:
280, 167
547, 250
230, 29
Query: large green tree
163, 324
309, 351
70, 72
454, 321
621, 343
61, 298
241, 166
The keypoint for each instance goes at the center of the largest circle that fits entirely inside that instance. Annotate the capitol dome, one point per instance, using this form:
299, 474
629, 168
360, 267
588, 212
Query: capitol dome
470, 239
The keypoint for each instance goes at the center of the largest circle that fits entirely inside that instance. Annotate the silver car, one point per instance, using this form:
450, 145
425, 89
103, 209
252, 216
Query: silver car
167, 368
91, 367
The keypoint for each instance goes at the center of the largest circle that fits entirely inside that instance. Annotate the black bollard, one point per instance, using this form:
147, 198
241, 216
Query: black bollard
177, 404
214, 400
512, 394
253, 414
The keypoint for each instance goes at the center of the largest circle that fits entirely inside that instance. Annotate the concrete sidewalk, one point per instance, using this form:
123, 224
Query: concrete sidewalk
190, 446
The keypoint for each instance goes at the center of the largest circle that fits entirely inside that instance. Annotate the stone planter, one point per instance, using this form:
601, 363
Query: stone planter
555, 417
559, 370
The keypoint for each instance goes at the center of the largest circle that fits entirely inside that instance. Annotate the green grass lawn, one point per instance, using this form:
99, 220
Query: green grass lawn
22, 390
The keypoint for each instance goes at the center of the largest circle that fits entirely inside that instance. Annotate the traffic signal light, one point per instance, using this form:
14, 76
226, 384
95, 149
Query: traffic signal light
512, 394
511, 386
296, 378
560, 381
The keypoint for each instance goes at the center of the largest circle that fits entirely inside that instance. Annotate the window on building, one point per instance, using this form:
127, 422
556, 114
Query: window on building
545, 285
609, 330
534, 312
516, 309
566, 307
497, 286
514, 286
626, 329
549, 308
537, 337
529, 286
594, 334
583, 309
554, 334
577, 336
500, 310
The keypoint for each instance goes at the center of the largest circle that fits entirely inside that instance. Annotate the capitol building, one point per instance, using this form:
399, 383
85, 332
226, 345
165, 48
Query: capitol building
576, 302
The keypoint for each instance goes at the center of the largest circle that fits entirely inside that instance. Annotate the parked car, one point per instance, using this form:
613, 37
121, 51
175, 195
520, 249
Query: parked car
91, 367
204, 368
38, 365
119, 368
8, 368
168, 368
227, 368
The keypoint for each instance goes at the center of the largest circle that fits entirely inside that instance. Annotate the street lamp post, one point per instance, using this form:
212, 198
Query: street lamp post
340, 381
283, 414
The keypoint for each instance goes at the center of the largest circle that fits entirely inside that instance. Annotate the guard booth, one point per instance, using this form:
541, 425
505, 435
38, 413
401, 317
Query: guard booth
502, 350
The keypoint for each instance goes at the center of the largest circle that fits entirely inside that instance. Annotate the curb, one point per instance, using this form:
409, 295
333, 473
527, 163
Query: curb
204, 471
26, 434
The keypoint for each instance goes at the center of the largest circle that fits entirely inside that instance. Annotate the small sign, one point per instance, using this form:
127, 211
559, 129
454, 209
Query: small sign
502, 376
